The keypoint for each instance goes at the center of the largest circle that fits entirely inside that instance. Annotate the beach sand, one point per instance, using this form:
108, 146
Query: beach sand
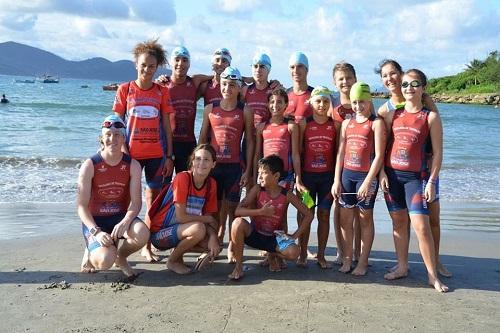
42, 290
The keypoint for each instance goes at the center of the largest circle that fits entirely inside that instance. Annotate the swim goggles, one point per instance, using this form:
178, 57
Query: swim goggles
115, 124
414, 84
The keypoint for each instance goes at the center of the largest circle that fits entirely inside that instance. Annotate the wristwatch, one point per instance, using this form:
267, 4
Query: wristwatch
94, 230
172, 157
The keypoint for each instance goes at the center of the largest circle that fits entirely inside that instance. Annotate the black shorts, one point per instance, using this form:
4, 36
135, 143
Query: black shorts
261, 242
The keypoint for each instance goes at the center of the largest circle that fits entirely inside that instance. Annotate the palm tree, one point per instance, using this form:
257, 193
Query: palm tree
474, 66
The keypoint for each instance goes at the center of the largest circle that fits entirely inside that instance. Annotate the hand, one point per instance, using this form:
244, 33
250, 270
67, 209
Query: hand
336, 190
168, 168
213, 246
384, 182
300, 187
163, 79
119, 230
244, 180
430, 192
275, 84
104, 238
267, 209
364, 190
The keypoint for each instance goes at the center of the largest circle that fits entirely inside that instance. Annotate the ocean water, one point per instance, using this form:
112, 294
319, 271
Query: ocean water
47, 130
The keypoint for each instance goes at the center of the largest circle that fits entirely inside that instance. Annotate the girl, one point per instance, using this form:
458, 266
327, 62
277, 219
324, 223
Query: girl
391, 73
407, 191
359, 158
185, 221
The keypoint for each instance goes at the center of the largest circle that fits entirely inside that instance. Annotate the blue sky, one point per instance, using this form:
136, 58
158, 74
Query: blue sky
438, 37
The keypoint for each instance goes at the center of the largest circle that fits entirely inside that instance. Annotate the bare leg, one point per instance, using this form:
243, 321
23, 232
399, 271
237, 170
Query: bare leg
135, 237
426, 244
346, 228
435, 221
240, 230
338, 233
303, 242
367, 235
357, 236
395, 267
400, 234
231, 207
323, 231
190, 234
103, 257
86, 266
146, 252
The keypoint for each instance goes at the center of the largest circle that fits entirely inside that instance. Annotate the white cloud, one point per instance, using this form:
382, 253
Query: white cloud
20, 22
238, 6
90, 29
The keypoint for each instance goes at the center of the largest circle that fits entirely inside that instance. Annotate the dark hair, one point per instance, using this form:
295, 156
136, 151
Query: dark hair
273, 162
384, 62
344, 66
278, 92
420, 74
151, 47
202, 146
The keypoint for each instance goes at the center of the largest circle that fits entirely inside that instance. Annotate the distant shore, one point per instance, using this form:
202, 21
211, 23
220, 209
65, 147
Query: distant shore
482, 99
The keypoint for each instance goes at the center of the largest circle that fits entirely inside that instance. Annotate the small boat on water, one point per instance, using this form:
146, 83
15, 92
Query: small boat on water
24, 81
84, 86
48, 79
110, 87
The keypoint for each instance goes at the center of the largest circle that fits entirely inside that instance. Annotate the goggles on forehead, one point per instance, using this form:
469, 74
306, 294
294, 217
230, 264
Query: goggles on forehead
222, 52
230, 76
414, 84
115, 124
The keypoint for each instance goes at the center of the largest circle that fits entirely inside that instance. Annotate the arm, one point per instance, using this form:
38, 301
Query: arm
339, 162
380, 143
247, 206
83, 199
198, 79
201, 90
387, 118
169, 164
205, 125
258, 149
135, 201
306, 214
182, 216
296, 161
248, 114
302, 129
436, 133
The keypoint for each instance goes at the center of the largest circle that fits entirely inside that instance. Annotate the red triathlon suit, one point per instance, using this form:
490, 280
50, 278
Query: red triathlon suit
110, 193
406, 150
257, 100
143, 111
266, 225
298, 105
276, 139
341, 113
212, 93
319, 146
360, 146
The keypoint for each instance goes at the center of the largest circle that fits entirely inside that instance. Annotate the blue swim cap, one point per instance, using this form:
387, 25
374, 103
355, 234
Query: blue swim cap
224, 53
114, 121
180, 51
231, 73
298, 58
262, 59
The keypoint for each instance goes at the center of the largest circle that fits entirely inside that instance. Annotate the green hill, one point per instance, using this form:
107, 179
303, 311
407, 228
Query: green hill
480, 76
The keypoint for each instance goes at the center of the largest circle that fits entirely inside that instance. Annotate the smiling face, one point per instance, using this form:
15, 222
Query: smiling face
202, 163
298, 73
414, 90
320, 105
391, 77
180, 66
343, 80
229, 89
112, 139
260, 73
219, 64
361, 107
277, 105
146, 66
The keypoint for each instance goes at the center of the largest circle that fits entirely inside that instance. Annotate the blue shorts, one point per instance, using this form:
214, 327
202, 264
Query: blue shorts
319, 185
261, 242
165, 238
351, 182
406, 191
106, 223
153, 168
227, 176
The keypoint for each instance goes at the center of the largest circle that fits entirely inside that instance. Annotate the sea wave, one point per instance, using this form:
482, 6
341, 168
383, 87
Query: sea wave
42, 162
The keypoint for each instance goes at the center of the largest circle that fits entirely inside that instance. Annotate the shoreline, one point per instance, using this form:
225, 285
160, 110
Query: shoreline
492, 99
42, 289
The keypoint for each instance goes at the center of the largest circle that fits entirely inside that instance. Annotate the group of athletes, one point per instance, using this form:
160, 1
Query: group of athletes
298, 146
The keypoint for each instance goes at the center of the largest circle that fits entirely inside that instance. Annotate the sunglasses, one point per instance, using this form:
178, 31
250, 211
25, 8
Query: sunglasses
116, 124
414, 84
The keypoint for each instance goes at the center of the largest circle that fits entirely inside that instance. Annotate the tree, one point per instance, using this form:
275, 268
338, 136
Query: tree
474, 67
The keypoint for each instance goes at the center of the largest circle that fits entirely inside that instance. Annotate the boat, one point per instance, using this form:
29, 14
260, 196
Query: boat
84, 86
110, 87
48, 79
24, 81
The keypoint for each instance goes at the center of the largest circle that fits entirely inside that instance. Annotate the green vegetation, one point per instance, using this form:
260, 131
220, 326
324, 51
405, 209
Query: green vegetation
478, 77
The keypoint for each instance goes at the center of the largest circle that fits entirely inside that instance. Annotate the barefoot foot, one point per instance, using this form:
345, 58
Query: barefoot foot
396, 274
337, 260
321, 261
86, 266
178, 267
438, 285
346, 267
311, 255
123, 264
237, 272
360, 269
274, 266
302, 262
149, 255
443, 271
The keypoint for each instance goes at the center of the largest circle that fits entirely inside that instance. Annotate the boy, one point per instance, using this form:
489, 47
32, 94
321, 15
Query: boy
266, 204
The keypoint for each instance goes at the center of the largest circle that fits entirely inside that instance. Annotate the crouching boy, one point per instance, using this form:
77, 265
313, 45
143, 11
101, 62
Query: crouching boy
266, 204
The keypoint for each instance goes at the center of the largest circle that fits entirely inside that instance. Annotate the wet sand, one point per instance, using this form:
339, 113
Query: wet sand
42, 290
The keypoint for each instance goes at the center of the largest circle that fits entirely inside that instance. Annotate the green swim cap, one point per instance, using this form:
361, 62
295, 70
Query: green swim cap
360, 91
321, 91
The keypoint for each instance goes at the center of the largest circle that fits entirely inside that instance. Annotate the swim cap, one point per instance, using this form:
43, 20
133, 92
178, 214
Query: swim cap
321, 91
224, 53
262, 59
298, 58
180, 51
231, 73
114, 121
360, 91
